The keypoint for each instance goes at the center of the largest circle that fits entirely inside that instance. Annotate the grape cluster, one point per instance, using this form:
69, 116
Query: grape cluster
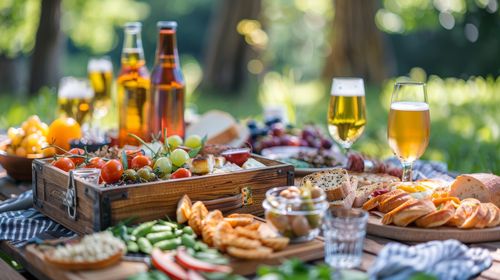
274, 133
29, 139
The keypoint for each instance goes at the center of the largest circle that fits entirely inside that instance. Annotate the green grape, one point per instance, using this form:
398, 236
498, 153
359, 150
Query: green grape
193, 141
130, 174
179, 157
174, 141
163, 166
144, 173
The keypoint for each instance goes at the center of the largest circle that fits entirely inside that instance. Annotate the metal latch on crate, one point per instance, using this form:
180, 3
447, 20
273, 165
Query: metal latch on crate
70, 198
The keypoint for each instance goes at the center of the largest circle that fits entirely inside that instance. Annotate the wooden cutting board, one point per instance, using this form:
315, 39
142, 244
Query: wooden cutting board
122, 270
415, 234
308, 251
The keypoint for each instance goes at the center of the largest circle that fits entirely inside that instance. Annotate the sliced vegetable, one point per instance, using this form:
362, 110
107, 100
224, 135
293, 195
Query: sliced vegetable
189, 262
165, 262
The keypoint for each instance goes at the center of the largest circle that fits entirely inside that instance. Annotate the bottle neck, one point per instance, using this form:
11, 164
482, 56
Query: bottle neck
166, 49
132, 53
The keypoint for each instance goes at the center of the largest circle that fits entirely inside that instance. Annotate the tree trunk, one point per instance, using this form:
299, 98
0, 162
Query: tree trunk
46, 55
358, 46
227, 53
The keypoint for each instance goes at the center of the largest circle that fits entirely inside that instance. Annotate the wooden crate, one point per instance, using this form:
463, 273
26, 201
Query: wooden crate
97, 208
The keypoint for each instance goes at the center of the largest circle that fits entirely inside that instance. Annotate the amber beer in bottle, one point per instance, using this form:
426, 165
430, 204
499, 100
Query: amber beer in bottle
167, 83
133, 89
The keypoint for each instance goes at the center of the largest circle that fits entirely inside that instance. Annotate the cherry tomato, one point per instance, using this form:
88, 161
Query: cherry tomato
181, 173
112, 171
95, 162
130, 155
140, 161
77, 151
64, 164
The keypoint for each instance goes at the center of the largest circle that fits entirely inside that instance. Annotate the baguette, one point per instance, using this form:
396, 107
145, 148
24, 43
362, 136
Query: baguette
482, 186
494, 215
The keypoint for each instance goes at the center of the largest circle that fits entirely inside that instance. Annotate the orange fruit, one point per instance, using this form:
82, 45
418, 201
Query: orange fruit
62, 131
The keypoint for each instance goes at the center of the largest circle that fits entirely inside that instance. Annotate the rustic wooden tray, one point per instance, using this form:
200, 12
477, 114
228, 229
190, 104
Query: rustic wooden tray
97, 208
309, 251
415, 234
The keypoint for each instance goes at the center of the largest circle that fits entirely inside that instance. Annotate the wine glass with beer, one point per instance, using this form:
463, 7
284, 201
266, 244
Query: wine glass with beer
347, 113
408, 129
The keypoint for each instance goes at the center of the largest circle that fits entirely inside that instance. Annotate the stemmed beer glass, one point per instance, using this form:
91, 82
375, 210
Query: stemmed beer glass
347, 113
408, 128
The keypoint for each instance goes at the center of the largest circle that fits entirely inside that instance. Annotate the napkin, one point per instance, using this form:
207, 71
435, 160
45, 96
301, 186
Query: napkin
21, 226
447, 260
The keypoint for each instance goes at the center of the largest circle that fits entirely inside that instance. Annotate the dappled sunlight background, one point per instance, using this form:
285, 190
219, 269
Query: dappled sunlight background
452, 45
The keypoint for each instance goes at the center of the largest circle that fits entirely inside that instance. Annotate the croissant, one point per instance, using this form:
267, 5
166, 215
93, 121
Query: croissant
437, 218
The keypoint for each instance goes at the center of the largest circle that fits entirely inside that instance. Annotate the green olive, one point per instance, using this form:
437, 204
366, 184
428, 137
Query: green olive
130, 174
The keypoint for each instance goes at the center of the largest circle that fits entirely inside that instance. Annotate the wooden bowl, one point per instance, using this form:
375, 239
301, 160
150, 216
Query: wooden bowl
19, 168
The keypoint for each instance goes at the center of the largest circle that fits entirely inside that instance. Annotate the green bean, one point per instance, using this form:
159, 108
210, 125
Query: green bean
159, 236
143, 229
178, 232
187, 230
144, 245
188, 241
132, 247
158, 228
200, 246
169, 244
170, 224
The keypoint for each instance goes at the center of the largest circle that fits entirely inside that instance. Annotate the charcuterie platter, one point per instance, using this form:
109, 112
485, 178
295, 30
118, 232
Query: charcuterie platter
415, 234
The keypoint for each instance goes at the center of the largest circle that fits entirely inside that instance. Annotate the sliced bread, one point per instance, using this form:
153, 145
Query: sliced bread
344, 203
335, 183
366, 178
363, 192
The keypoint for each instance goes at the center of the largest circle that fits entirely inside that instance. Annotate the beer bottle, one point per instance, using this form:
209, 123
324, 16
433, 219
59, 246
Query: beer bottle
167, 83
133, 89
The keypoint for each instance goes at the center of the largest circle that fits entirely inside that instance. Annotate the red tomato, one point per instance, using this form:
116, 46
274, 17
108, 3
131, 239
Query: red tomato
77, 151
166, 263
64, 163
112, 171
130, 155
181, 173
95, 162
140, 161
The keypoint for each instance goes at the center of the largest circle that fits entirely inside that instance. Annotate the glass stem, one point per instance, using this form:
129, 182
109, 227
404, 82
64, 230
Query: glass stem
407, 171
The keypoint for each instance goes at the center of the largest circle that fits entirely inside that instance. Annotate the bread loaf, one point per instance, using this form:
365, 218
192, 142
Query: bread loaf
482, 186
335, 183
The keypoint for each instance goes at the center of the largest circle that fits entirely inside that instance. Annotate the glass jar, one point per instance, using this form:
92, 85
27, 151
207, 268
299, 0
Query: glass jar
298, 218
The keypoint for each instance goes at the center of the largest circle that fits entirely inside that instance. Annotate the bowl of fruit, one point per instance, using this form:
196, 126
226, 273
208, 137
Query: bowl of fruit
23, 144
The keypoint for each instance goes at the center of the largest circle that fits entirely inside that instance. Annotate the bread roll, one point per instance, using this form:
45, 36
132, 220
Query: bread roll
482, 186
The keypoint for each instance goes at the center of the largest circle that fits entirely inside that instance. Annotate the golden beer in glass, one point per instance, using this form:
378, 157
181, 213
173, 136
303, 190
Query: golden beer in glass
408, 129
74, 99
100, 72
346, 112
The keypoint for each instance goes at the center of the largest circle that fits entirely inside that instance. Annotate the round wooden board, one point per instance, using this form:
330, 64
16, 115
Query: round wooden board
414, 234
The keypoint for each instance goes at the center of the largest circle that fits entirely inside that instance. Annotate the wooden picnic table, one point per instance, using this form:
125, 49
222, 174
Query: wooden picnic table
372, 247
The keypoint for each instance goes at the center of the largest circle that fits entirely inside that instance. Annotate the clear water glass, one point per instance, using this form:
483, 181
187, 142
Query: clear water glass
344, 231
90, 175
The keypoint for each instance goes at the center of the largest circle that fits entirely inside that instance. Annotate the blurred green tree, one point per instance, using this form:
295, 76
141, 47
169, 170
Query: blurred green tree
89, 24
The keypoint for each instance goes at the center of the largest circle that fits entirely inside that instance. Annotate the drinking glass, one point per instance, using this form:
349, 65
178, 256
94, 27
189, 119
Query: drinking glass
346, 112
90, 175
344, 231
408, 128
100, 73
74, 98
